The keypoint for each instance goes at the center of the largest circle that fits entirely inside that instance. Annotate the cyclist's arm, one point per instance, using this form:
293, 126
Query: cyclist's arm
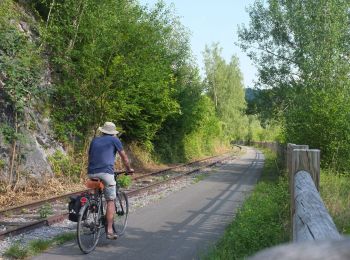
125, 161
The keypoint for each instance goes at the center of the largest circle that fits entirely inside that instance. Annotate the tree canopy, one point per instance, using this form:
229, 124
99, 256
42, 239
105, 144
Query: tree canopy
301, 49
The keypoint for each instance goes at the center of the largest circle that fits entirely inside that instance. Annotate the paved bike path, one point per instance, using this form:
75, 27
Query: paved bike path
184, 224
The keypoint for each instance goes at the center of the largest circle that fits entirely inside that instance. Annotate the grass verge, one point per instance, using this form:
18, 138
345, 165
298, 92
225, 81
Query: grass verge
199, 177
35, 247
263, 220
334, 190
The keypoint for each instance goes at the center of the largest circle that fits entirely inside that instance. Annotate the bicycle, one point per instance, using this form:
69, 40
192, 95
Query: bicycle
92, 215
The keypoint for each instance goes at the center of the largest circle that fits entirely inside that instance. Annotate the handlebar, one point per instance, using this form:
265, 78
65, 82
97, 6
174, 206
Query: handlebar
116, 173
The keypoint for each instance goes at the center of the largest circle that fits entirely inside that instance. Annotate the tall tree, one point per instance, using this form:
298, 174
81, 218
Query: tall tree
117, 62
302, 49
225, 87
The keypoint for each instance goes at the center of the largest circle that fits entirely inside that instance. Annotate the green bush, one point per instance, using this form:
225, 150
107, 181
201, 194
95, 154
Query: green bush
124, 181
63, 165
45, 210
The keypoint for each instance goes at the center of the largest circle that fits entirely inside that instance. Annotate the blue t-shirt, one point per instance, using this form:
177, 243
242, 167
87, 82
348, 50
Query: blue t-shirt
102, 153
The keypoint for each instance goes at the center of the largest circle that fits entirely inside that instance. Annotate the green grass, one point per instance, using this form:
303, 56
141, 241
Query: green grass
199, 177
334, 190
124, 181
17, 252
263, 220
35, 247
45, 210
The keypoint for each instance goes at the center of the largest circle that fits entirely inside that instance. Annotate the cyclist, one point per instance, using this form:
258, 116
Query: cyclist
102, 154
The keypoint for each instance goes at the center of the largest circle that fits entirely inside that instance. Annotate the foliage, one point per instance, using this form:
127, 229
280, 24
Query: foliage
122, 62
204, 138
143, 81
45, 210
8, 133
199, 177
300, 49
16, 251
64, 237
122, 66
225, 88
124, 181
20, 61
35, 247
195, 130
334, 189
64, 166
2, 164
260, 223
38, 246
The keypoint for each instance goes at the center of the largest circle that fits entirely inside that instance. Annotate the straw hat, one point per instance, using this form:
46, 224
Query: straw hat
108, 128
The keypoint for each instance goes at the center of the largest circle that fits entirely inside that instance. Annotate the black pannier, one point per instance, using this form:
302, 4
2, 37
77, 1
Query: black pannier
74, 207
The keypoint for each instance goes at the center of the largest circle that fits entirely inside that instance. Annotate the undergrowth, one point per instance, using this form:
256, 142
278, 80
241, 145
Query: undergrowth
34, 247
263, 219
334, 190
33, 190
124, 181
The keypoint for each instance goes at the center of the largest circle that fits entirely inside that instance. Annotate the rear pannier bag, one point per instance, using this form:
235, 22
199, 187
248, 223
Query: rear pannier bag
74, 207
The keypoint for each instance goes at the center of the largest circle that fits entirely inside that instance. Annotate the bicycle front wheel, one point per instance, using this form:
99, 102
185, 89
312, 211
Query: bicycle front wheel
122, 211
89, 227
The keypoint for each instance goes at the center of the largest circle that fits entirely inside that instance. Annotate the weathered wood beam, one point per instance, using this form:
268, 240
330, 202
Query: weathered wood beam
311, 219
293, 164
311, 250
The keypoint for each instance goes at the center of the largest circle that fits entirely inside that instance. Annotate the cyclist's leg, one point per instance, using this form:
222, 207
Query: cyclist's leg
110, 216
110, 195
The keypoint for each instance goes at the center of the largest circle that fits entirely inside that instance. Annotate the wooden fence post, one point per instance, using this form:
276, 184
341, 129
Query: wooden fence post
290, 172
290, 148
307, 160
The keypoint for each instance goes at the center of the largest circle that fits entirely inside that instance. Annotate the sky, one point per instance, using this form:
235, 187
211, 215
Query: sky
212, 21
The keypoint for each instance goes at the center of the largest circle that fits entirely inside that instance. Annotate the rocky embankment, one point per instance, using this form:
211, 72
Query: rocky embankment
26, 138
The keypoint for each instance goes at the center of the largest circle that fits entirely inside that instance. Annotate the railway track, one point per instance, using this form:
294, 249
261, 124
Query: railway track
20, 219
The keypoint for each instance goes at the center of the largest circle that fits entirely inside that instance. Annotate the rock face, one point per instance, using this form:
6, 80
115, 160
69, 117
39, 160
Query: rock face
35, 144
35, 140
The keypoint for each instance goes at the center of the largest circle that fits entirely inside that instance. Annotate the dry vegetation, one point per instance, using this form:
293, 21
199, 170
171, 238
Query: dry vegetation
34, 191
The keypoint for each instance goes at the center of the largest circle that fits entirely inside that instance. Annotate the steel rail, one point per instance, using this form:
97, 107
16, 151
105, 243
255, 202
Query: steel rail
61, 217
38, 203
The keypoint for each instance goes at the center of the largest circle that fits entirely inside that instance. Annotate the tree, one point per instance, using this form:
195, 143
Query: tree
116, 61
301, 49
224, 86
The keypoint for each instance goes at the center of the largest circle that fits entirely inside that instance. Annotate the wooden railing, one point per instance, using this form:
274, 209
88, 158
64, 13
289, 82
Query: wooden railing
313, 229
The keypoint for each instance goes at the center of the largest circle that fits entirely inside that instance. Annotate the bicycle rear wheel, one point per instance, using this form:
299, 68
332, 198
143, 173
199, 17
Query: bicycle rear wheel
89, 227
122, 211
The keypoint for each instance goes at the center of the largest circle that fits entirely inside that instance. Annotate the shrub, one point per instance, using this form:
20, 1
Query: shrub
124, 181
62, 165
45, 210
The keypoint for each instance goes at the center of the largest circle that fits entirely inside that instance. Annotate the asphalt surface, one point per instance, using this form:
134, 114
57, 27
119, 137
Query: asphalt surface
183, 225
